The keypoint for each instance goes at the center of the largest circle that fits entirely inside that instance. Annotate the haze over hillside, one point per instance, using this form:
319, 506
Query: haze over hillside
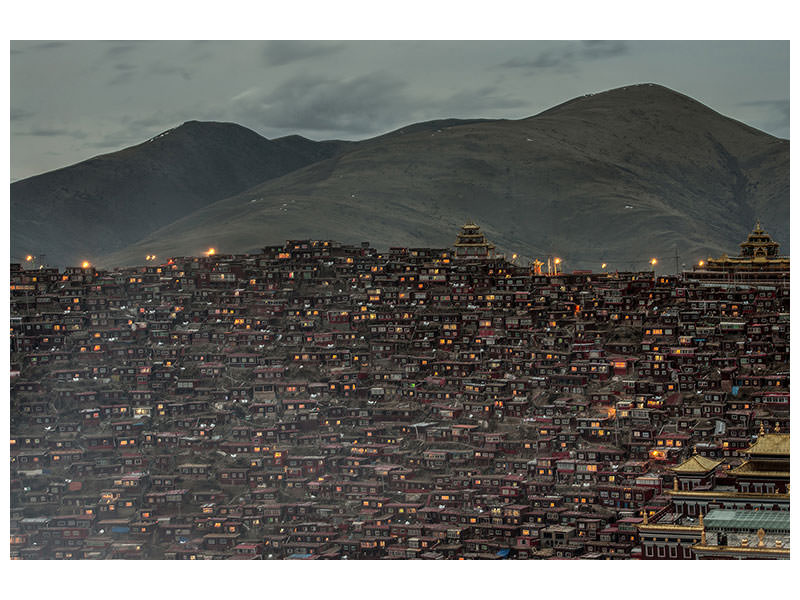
616, 177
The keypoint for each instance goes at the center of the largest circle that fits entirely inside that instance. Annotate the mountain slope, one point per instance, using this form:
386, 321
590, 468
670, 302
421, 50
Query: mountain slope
110, 201
615, 177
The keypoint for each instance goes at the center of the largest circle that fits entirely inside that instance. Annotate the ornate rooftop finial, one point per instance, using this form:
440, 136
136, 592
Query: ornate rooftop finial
675, 484
761, 431
761, 534
777, 427
694, 449
644, 516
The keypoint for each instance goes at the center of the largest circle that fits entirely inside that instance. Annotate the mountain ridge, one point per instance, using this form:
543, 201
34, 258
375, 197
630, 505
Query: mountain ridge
111, 200
618, 175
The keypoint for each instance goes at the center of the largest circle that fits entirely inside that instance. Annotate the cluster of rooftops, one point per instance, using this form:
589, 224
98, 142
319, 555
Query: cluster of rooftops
321, 400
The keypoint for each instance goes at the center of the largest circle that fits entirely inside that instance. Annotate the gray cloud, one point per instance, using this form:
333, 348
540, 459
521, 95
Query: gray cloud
16, 50
567, 57
118, 139
278, 53
778, 111
603, 49
120, 49
125, 73
359, 105
161, 69
19, 114
49, 45
52, 132
548, 60
485, 98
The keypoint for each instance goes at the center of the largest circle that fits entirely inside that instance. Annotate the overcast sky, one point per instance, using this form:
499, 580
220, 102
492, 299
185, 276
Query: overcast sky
73, 100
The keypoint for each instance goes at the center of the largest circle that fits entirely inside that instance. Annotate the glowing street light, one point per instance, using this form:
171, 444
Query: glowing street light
29, 258
211, 252
86, 264
653, 261
702, 263
603, 266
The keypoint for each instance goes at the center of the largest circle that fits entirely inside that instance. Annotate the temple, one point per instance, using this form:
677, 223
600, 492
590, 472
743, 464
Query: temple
720, 512
758, 262
471, 243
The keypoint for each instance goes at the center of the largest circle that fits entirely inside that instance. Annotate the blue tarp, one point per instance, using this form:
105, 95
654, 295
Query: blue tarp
120, 529
503, 553
735, 390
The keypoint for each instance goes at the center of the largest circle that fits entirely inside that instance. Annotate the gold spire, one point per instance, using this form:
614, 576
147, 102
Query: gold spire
644, 516
761, 537
761, 431
675, 484
694, 450
777, 427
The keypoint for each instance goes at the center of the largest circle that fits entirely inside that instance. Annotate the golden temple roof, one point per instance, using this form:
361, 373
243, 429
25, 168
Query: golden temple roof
751, 469
759, 243
696, 464
471, 235
771, 444
725, 494
699, 548
669, 527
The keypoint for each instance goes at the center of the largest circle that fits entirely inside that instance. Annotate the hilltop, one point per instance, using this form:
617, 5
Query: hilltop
617, 176
108, 202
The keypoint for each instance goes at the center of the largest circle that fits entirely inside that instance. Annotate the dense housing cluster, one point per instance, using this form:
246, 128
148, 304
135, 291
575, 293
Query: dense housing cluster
320, 400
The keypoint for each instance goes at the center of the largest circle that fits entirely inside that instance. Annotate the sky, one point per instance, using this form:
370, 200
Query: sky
71, 100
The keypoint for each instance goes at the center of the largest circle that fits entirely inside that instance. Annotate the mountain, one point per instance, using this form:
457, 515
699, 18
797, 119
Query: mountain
616, 177
109, 202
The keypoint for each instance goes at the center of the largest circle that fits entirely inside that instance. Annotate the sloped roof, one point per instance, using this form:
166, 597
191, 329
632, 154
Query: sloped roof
762, 469
773, 444
697, 464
